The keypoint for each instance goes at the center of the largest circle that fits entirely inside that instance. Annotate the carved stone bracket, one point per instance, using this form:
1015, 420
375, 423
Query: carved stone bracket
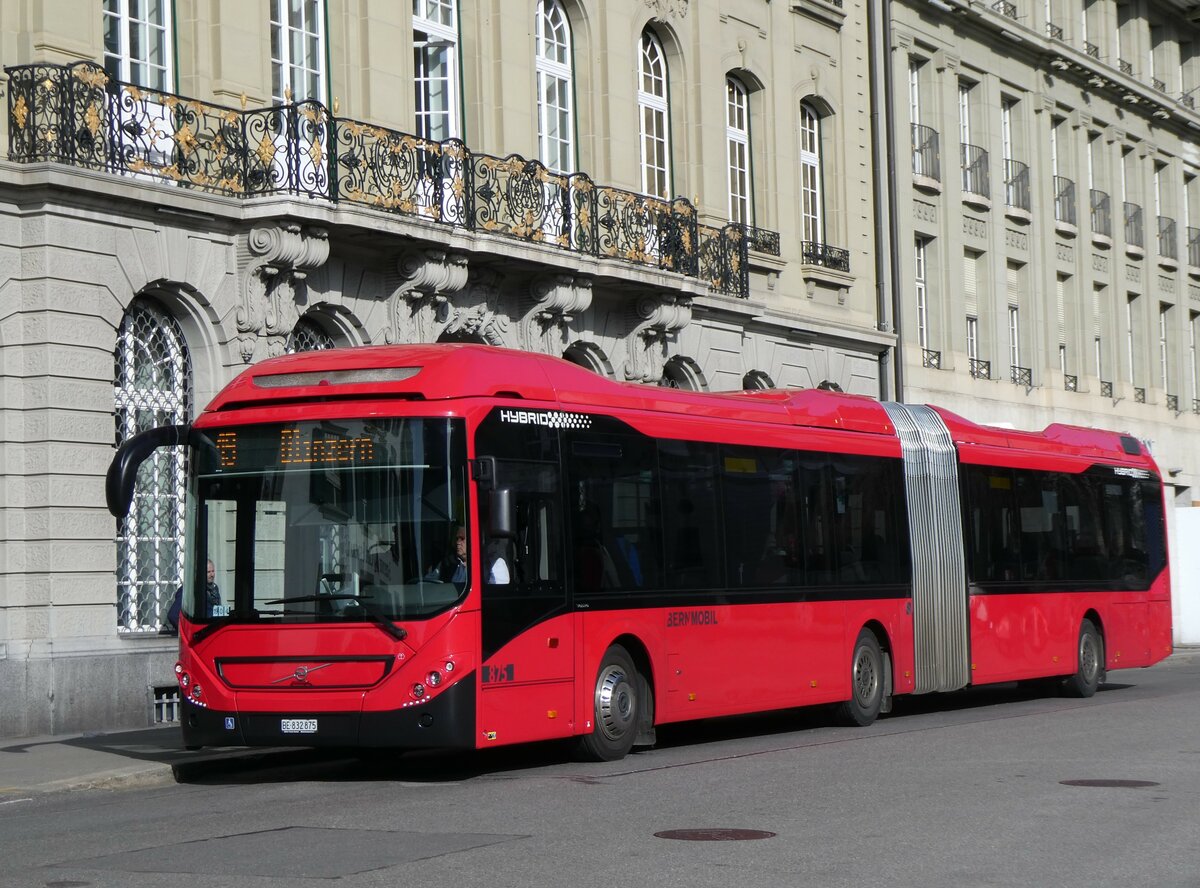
479, 316
657, 320
275, 261
555, 300
421, 302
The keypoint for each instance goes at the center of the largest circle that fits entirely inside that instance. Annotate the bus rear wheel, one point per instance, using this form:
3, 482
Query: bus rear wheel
1089, 671
866, 682
616, 709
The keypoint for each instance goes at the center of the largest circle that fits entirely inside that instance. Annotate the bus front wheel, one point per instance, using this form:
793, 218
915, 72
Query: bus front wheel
866, 682
1089, 672
616, 709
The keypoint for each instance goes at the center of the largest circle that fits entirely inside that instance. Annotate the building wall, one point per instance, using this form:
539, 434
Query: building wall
1130, 100
237, 273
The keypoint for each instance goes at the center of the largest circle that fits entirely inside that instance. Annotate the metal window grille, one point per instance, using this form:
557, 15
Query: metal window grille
1005, 8
1071, 382
1064, 200
1139, 395
981, 369
1125, 67
975, 170
1173, 403
1106, 389
931, 358
153, 387
1133, 225
926, 156
1022, 376
1166, 238
1053, 31
1091, 49
308, 336
165, 705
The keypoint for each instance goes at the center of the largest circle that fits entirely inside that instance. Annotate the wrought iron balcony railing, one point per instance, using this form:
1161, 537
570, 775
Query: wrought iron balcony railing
1139, 395
1160, 85
1167, 246
763, 241
1022, 376
926, 154
816, 253
78, 116
980, 369
975, 170
1053, 31
1125, 67
1016, 185
931, 358
1070, 382
1133, 225
1101, 213
1193, 246
1005, 8
1106, 389
1091, 49
1064, 200
1173, 403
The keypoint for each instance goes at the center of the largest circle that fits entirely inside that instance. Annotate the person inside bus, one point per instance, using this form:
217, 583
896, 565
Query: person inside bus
212, 601
453, 567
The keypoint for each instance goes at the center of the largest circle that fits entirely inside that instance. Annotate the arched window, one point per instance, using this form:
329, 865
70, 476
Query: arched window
811, 189
757, 380
654, 115
737, 140
681, 372
555, 87
307, 335
153, 387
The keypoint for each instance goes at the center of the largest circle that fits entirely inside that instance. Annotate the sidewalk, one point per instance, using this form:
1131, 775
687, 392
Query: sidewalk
117, 759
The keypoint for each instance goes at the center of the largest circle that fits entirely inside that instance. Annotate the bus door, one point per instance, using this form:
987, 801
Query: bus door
528, 636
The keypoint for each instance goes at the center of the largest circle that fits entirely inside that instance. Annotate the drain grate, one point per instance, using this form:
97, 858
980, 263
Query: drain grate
715, 835
1116, 784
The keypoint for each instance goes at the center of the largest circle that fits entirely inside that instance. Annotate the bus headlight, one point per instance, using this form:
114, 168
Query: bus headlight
433, 679
418, 690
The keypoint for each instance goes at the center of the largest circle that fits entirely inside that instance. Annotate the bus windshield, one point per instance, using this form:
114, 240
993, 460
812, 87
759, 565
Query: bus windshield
329, 521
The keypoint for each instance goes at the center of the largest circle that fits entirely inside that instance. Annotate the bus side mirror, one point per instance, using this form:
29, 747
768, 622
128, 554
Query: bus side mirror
502, 514
122, 472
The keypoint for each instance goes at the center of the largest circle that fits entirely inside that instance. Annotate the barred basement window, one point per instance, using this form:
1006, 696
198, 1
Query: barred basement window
153, 387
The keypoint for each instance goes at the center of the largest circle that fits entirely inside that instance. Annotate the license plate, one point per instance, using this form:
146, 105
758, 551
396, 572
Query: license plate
298, 725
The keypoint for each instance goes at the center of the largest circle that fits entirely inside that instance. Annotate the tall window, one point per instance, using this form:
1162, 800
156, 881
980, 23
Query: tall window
435, 68
297, 50
737, 139
555, 87
973, 337
811, 197
654, 114
138, 42
1006, 127
964, 112
1130, 334
914, 91
922, 297
1193, 323
1164, 327
152, 387
1014, 336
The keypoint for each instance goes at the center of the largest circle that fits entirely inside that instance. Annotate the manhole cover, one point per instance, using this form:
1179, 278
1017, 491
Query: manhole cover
714, 835
1118, 784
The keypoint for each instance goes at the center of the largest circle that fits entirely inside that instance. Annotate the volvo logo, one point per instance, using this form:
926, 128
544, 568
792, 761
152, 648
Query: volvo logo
301, 674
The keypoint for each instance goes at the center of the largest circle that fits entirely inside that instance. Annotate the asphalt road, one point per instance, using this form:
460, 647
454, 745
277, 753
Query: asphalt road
961, 790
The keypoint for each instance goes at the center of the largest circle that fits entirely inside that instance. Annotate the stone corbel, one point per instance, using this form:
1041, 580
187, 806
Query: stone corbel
657, 320
480, 316
276, 260
421, 302
555, 300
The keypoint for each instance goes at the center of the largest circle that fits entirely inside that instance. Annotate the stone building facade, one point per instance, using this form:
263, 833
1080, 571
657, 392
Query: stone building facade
1048, 215
669, 192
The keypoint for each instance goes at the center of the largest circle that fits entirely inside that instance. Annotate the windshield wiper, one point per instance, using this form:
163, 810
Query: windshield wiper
372, 612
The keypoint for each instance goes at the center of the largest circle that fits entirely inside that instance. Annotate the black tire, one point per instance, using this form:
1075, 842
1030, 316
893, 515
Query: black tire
866, 682
1089, 668
616, 711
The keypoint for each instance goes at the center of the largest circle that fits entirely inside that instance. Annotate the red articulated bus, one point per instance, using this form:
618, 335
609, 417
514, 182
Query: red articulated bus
459, 546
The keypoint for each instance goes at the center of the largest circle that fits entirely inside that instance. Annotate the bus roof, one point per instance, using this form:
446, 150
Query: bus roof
439, 372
